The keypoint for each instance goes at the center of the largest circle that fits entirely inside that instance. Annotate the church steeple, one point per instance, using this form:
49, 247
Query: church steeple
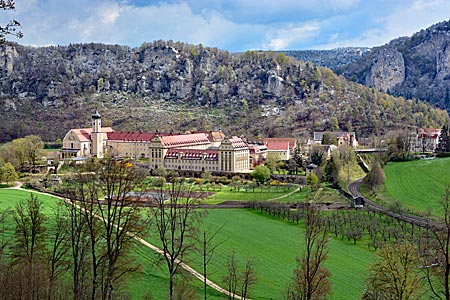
97, 135
96, 122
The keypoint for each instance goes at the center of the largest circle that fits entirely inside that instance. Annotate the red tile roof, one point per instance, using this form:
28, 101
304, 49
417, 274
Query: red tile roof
85, 133
216, 136
238, 143
173, 141
131, 136
278, 145
291, 141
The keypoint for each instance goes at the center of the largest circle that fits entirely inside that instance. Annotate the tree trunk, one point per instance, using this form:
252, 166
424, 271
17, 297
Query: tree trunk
171, 286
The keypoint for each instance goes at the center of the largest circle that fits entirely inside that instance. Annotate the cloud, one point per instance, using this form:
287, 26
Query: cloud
235, 25
284, 38
109, 13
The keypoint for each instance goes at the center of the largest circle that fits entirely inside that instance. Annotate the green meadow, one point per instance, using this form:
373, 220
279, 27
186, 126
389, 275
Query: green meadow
272, 245
419, 184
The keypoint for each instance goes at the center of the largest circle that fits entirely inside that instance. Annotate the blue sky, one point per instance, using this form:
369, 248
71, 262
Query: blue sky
234, 25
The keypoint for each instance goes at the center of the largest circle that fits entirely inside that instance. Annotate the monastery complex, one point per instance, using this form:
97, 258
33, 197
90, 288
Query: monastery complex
203, 151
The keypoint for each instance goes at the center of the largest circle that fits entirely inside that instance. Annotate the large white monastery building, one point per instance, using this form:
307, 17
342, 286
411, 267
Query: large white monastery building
202, 151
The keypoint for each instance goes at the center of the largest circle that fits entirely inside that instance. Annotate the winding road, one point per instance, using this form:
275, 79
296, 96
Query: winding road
353, 189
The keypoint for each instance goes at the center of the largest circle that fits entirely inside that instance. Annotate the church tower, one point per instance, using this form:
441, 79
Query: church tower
97, 136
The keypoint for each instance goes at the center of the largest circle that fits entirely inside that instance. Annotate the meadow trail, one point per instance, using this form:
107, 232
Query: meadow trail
18, 186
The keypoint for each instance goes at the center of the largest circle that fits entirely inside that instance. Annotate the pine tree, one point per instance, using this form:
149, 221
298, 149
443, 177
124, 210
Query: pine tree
444, 141
297, 157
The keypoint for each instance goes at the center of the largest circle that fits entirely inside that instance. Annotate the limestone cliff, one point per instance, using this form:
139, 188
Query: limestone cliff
387, 70
414, 67
173, 86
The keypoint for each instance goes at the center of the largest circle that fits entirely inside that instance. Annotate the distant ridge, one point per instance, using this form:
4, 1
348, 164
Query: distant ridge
171, 86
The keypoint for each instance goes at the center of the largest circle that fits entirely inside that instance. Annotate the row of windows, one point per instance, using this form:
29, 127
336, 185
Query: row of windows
200, 168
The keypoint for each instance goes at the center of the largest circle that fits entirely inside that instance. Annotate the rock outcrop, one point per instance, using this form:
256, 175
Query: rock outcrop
413, 67
387, 70
172, 86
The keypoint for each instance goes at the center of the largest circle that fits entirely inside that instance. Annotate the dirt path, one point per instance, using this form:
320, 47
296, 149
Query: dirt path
285, 195
186, 267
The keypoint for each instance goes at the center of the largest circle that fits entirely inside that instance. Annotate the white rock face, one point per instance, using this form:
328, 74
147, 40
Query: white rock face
443, 63
7, 58
387, 71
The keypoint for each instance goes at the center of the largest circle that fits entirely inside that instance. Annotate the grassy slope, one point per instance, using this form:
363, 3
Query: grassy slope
272, 244
419, 184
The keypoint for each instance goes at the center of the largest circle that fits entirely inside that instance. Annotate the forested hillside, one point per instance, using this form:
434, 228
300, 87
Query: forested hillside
172, 86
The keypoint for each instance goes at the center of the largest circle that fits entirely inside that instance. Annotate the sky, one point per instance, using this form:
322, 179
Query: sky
233, 25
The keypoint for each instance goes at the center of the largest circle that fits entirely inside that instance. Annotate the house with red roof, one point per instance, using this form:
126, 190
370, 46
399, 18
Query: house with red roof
425, 139
280, 148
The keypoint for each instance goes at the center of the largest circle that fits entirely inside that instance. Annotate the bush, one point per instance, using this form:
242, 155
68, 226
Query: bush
443, 154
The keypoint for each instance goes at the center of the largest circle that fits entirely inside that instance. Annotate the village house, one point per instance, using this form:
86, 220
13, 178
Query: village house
280, 148
342, 138
424, 139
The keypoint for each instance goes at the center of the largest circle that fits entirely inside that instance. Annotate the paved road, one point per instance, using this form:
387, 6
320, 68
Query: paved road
353, 188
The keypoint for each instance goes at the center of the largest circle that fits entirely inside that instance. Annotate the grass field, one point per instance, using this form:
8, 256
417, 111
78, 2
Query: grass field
258, 195
273, 245
325, 194
418, 184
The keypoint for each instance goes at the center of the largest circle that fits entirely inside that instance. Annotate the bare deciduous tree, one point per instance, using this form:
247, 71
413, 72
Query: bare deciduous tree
310, 279
57, 252
106, 192
118, 213
207, 251
176, 222
237, 281
395, 274
29, 246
